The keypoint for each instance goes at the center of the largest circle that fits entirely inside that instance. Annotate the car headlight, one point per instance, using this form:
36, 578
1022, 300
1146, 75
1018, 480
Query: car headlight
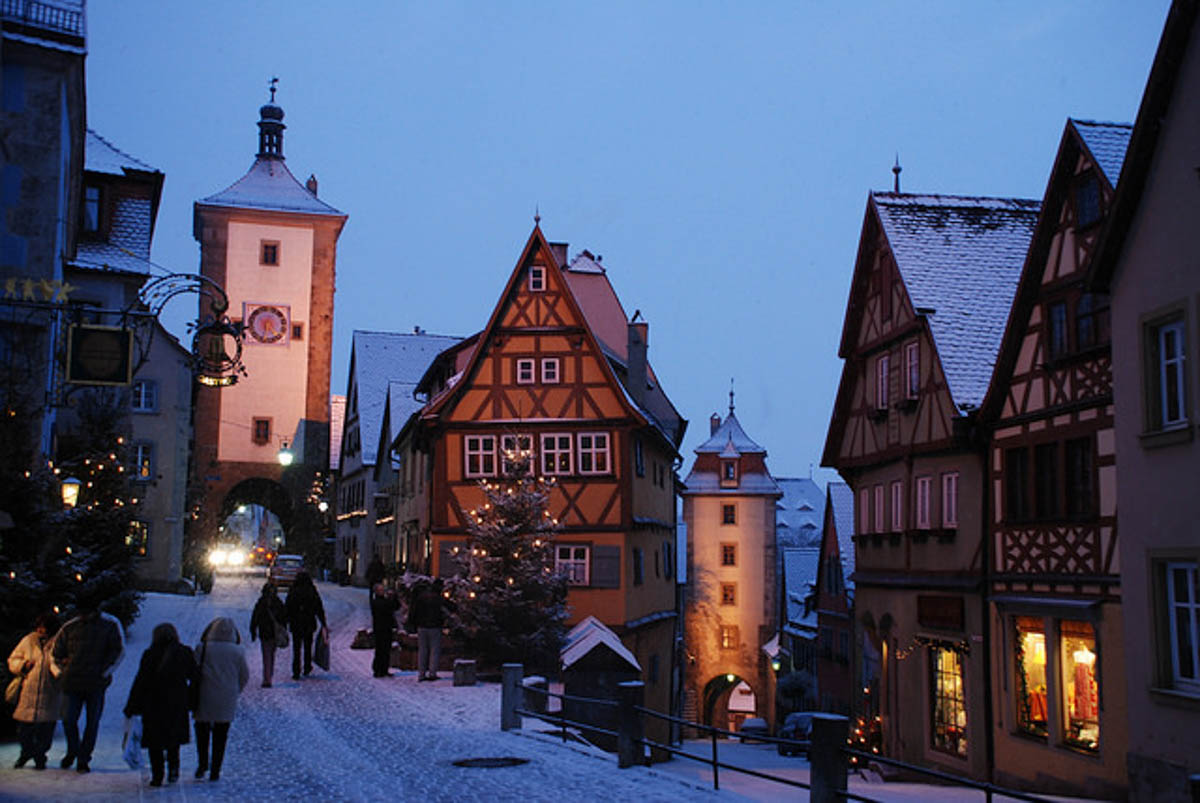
216, 557
235, 558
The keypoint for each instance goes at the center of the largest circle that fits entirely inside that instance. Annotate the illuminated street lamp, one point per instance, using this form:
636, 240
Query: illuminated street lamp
285, 455
70, 492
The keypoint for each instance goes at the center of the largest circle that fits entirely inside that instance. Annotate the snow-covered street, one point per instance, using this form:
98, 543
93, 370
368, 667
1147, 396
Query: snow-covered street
337, 735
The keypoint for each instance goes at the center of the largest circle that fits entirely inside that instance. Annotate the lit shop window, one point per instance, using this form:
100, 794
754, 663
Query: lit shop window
949, 702
1030, 653
1082, 696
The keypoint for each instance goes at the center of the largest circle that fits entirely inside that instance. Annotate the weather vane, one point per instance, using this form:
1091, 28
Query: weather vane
271, 84
537, 215
731, 395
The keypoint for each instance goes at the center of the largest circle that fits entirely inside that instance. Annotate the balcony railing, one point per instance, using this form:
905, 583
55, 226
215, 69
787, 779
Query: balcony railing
45, 16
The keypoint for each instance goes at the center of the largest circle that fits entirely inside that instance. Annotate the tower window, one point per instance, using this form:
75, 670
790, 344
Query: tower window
729, 593
269, 253
728, 514
297, 331
262, 431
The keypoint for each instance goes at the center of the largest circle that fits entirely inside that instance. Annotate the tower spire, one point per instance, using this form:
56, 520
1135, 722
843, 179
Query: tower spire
270, 126
896, 168
731, 395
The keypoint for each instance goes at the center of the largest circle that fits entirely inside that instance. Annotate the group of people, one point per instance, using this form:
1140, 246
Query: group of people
66, 671
425, 617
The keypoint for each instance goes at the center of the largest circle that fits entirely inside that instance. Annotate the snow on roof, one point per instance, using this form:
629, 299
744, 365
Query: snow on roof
730, 440
800, 567
109, 257
379, 358
841, 499
591, 633
1107, 143
599, 303
268, 184
800, 513
337, 418
401, 405
101, 156
960, 258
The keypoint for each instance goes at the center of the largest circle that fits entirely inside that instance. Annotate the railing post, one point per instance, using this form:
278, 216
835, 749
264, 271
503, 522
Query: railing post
534, 690
716, 778
510, 695
826, 757
629, 732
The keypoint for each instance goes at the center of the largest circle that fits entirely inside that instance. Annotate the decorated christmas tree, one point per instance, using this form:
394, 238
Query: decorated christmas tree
510, 602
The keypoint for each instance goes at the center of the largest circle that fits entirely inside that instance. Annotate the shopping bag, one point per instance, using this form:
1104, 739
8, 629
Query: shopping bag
321, 649
132, 742
281, 635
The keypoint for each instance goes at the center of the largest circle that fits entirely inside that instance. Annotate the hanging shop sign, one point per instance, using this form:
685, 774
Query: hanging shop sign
99, 355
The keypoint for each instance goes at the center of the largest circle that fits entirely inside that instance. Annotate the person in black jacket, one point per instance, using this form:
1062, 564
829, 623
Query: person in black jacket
375, 574
269, 614
427, 613
160, 695
305, 612
383, 624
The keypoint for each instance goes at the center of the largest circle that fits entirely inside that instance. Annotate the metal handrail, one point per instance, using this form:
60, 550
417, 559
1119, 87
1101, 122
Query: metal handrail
572, 698
988, 788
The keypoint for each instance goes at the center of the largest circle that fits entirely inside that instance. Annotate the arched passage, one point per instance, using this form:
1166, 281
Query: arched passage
728, 699
265, 493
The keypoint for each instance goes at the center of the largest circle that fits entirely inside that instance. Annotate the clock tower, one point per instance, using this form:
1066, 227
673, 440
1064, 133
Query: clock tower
271, 243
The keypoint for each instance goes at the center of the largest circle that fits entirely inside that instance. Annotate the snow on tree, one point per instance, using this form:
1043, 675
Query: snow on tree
510, 602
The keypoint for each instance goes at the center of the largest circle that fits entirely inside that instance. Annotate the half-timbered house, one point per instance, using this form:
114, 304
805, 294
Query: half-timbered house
932, 286
1058, 697
561, 370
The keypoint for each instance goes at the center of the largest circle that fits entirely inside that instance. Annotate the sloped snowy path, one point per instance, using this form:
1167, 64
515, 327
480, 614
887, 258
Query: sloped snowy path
340, 735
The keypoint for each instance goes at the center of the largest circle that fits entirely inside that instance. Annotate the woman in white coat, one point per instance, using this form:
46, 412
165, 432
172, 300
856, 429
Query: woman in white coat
40, 703
223, 673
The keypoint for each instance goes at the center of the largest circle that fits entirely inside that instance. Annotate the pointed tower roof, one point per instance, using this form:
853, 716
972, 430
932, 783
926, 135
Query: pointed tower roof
268, 184
730, 440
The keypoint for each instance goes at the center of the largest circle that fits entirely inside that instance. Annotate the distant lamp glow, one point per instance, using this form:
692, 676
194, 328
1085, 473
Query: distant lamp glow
776, 664
70, 492
285, 455
731, 677
241, 508
322, 506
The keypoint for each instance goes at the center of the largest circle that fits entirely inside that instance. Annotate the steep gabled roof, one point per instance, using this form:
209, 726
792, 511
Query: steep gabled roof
1107, 143
800, 567
841, 503
960, 258
589, 634
337, 418
101, 156
799, 513
378, 359
269, 185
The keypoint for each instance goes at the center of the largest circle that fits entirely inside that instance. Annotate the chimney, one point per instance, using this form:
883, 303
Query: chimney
312, 184
639, 342
560, 253
714, 424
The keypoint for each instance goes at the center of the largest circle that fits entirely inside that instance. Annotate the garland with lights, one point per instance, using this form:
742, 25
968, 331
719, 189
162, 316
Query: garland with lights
510, 602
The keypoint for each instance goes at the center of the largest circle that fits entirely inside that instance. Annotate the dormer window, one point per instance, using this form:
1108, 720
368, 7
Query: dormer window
729, 476
91, 209
537, 278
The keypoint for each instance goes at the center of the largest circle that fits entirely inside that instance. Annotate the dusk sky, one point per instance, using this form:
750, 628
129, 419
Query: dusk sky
718, 155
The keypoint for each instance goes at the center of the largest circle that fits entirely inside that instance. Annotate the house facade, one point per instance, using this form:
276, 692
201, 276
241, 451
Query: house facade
1146, 262
838, 672
932, 286
732, 606
1054, 606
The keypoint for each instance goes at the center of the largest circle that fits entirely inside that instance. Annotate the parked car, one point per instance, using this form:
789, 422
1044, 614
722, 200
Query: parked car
284, 570
797, 727
753, 726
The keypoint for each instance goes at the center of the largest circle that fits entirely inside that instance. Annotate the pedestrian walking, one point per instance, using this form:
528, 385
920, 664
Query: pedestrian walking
268, 623
305, 612
86, 651
159, 695
40, 702
427, 610
383, 624
375, 574
223, 673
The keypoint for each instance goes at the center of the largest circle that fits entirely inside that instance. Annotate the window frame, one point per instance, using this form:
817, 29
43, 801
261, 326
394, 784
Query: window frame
883, 381
728, 553
537, 279
590, 456
897, 506
864, 507
255, 436
878, 494
483, 449
269, 248
555, 453
512, 440
569, 565
729, 593
1176, 366
950, 500
524, 370
87, 231
554, 375
143, 528
728, 637
728, 513
1170, 604
1058, 329
144, 457
949, 705
139, 390
923, 501
912, 370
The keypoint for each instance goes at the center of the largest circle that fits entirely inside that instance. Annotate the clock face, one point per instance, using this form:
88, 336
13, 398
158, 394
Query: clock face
267, 323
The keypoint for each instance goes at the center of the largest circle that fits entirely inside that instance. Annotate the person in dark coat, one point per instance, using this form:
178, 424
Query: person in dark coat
40, 702
375, 574
305, 612
85, 652
383, 624
268, 614
160, 695
428, 616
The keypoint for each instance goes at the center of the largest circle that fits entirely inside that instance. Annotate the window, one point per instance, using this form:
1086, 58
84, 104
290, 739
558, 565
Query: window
729, 471
1057, 335
729, 554
144, 396
949, 720
480, 455
639, 460
513, 447
1168, 405
897, 506
1087, 201
556, 454
571, 560
260, 430
269, 252
550, 370
1030, 655
729, 514
879, 507
91, 209
1045, 481
950, 500
137, 538
864, 510
1183, 620
593, 453
639, 566
1080, 493
143, 465
912, 370
1081, 694
728, 637
882, 367
1016, 484
924, 491
729, 593
668, 553
524, 372
537, 278
297, 331
1085, 322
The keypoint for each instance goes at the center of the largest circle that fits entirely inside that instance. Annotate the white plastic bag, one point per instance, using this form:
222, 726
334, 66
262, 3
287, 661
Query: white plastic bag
131, 741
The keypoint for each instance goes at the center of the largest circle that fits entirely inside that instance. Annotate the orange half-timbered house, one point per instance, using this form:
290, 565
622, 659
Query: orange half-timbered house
561, 370
932, 286
1055, 616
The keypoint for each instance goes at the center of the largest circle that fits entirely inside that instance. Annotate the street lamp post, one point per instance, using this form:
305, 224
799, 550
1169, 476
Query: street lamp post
70, 492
